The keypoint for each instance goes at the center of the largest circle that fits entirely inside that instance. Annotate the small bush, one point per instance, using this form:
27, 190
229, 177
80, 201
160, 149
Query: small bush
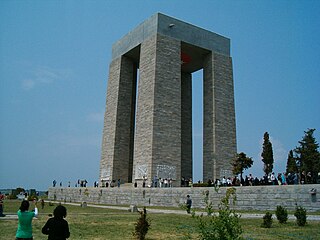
142, 226
226, 225
267, 220
282, 214
209, 205
301, 215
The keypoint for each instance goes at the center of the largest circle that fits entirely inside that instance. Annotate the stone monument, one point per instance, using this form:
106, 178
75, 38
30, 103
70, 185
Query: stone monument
147, 132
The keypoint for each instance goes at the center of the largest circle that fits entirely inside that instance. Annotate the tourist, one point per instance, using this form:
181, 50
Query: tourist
170, 183
155, 181
1, 205
250, 179
229, 182
284, 179
189, 203
303, 178
256, 181
57, 227
190, 182
246, 181
25, 217
296, 178
166, 183
42, 203
273, 179
309, 177
144, 181
279, 179
224, 181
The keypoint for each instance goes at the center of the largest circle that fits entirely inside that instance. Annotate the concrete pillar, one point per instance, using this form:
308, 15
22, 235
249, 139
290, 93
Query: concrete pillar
219, 133
117, 142
157, 149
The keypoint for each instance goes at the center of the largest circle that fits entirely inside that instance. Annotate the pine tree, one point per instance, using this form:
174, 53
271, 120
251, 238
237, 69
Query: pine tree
308, 155
241, 163
267, 154
291, 163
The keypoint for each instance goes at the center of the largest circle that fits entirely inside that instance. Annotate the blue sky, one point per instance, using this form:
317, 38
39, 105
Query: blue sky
54, 60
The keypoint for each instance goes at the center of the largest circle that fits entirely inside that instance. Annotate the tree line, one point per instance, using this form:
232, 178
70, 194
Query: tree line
303, 160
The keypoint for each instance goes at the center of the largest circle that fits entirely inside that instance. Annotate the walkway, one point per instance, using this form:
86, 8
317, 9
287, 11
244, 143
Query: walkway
168, 211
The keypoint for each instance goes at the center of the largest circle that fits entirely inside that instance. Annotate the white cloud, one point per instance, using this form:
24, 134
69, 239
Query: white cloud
28, 84
96, 116
279, 155
42, 75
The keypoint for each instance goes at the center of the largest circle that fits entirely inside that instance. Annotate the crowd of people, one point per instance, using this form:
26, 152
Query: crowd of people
248, 180
79, 183
270, 179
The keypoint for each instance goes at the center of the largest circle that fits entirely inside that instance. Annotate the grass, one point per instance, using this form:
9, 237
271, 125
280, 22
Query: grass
100, 224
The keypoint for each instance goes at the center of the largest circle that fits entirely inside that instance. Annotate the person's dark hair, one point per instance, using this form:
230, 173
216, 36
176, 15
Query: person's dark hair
60, 212
24, 206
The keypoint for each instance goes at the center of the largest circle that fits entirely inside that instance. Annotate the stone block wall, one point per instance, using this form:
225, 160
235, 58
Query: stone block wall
248, 198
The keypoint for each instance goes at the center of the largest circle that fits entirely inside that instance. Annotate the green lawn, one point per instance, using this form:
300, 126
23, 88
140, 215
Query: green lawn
100, 224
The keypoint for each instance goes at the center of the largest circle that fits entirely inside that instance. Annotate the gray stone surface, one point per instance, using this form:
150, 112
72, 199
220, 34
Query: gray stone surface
248, 198
158, 121
151, 134
116, 159
174, 28
219, 128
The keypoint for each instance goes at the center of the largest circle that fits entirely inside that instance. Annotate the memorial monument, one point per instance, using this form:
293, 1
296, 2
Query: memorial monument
147, 132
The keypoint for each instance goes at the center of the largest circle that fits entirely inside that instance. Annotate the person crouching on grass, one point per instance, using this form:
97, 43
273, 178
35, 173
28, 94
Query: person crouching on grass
56, 227
25, 217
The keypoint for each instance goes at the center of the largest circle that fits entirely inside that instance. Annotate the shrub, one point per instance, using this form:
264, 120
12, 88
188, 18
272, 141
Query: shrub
267, 220
209, 206
282, 214
225, 226
142, 226
301, 215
